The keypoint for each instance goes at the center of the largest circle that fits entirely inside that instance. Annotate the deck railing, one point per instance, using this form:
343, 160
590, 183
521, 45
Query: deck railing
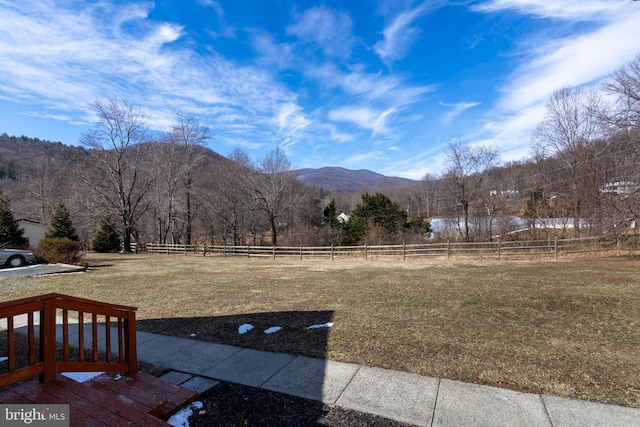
52, 337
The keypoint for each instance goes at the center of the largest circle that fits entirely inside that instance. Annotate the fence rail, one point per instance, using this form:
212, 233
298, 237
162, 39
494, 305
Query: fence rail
42, 335
485, 250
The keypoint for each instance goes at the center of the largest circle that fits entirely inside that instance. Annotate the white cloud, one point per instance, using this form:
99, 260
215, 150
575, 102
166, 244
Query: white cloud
584, 58
366, 118
61, 58
272, 53
456, 109
329, 29
399, 34
573, 10
292, 122
360, 158
387, 90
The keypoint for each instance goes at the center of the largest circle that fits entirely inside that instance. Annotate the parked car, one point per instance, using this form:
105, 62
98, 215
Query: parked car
16, 257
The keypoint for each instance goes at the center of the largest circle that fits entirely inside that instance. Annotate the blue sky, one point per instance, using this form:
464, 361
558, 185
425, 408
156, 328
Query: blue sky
380, 85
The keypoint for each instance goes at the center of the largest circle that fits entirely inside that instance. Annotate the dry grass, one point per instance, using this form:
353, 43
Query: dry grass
568, 328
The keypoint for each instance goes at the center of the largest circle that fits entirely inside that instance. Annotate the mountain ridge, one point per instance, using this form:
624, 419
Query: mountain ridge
335, 178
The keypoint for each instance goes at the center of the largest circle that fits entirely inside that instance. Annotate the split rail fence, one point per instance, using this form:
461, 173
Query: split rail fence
448, 250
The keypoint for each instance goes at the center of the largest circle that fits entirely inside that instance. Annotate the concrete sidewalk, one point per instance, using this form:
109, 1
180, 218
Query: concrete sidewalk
401, 396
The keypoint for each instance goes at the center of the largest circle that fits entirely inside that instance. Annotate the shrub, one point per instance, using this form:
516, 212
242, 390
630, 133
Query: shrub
58, 249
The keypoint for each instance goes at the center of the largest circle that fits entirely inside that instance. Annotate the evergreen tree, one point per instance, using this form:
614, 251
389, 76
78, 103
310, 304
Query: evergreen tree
10, 233
375, 210
106, 239
333, 229
330, 218
61, 225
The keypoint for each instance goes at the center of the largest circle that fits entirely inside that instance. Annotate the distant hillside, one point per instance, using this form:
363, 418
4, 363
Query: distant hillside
340, 179
18, 153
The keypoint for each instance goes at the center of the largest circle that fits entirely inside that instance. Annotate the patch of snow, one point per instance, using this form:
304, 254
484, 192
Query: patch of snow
117, 377
181, 418
244, 328
193, 335
82, 377
324, 325
3, 358
272, 330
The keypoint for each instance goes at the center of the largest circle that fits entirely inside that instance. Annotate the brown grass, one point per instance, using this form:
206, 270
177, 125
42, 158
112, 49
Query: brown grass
568, 328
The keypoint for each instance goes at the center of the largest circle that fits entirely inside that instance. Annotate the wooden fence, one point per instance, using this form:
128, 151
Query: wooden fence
449, 250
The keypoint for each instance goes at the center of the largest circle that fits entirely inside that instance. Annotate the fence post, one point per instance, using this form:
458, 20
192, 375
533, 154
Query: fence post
248, 250
224, 250
332, 252
404, 251
448, 249
555, 247
499, 250
274, 251
366, 255
300, 252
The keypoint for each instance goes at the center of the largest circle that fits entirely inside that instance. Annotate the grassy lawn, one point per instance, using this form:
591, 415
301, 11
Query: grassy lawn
569, 328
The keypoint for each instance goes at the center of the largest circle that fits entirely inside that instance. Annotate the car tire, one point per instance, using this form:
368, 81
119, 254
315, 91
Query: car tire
16, 261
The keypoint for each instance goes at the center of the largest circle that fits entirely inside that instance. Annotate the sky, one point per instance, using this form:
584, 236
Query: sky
383, 85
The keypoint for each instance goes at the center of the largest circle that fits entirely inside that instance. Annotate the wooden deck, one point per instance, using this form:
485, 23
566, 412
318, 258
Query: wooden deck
136, 400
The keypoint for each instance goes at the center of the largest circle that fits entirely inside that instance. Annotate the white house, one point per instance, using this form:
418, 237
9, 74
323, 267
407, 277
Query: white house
343, 218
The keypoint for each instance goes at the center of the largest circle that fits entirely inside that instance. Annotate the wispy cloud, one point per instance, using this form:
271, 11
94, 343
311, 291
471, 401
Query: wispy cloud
372, 87
271, 53
456, 109
366, 118
572, 10
357, 159
64, 58
582, 58
400, 33
330, 30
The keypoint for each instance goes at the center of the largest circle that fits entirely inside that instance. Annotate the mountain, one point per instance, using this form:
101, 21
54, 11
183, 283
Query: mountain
340, 179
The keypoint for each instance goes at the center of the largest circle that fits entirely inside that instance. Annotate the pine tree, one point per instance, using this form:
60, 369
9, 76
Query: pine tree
10, 233
105, 238
61, 225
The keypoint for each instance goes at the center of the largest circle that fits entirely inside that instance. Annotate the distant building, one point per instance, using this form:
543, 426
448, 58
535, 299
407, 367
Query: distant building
343, 218
34, 231
619, 188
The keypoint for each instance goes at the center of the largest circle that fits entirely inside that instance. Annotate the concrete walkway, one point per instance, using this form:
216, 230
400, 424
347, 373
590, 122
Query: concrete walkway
401, 396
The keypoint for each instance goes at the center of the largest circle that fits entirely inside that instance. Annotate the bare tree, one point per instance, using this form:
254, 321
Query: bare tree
43, 183
625, 85
230, 199
625, 120
189, 134
467, 166
116, 169
271, 188
571, 125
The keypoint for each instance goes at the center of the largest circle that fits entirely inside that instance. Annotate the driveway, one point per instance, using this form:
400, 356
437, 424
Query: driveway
38, 270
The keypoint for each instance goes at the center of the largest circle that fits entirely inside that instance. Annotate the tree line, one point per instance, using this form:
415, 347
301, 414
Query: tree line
170, 188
